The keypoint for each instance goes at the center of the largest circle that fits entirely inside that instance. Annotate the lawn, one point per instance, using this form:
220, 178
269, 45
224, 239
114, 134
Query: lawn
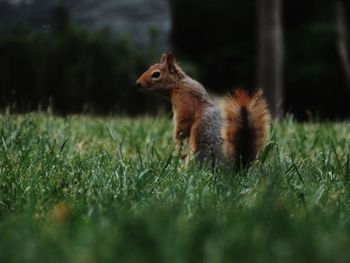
110, 189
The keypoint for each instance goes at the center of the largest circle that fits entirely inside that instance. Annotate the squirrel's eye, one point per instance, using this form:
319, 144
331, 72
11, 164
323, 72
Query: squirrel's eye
156, 75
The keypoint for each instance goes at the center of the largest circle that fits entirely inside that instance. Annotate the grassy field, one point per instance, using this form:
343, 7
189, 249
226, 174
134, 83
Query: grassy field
90, 189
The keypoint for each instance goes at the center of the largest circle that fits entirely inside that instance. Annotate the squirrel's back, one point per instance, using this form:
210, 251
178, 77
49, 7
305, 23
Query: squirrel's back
245, 125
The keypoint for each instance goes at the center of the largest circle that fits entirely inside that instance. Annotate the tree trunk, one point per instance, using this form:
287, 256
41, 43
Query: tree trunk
270, 53
343, 51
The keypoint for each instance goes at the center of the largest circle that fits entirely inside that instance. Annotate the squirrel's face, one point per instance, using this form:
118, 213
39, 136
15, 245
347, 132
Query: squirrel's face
153, 80
159, 78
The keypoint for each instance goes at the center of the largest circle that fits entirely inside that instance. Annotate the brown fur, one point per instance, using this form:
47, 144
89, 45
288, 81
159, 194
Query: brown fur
248, 113
235, 131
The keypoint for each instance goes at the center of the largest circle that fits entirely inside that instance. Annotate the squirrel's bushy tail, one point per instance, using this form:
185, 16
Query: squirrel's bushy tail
246, 125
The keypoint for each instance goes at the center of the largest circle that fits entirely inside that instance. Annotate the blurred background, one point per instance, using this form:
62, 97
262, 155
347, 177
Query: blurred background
85, 56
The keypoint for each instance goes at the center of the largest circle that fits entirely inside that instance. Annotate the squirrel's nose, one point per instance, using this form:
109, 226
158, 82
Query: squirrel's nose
139, 84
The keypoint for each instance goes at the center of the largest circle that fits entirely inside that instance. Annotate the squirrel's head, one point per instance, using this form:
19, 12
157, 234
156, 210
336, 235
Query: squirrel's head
160, 77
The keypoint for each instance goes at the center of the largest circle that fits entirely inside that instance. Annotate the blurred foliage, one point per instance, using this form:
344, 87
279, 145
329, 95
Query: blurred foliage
220, 37
76, 70
70, 69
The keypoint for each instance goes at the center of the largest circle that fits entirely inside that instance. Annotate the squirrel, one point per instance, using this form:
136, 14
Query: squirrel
233, 128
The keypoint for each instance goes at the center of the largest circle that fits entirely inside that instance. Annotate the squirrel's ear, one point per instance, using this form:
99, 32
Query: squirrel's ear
163, 58
171, 61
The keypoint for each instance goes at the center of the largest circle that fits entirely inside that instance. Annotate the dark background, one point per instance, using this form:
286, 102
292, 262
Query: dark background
71, 69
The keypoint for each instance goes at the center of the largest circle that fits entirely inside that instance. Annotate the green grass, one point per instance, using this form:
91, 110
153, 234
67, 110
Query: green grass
89, 189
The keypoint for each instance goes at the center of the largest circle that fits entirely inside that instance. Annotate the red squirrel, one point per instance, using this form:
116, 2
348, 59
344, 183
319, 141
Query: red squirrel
232, 128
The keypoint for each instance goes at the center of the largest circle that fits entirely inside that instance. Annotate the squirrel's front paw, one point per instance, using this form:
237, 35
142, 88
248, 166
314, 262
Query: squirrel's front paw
183, 156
